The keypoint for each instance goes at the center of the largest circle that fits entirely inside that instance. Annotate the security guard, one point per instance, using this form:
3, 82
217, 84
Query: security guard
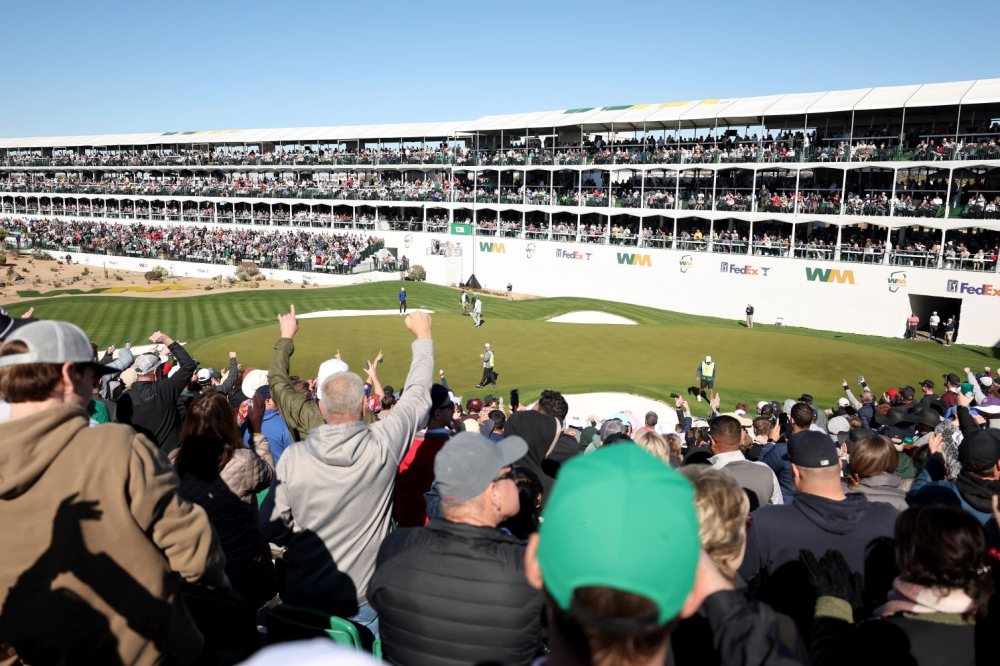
706, 375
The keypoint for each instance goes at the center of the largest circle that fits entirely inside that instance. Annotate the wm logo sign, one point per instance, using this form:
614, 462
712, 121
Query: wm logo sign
829, 275
634, 259
492, 247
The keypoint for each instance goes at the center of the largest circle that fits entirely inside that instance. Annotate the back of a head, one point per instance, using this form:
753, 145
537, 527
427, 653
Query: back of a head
29, 382
801, 415
871, 456
554, 404
762, 426
723, 507
342, 397
726, 433
945, 547
598, 554
652, 419
654, 443
209, 436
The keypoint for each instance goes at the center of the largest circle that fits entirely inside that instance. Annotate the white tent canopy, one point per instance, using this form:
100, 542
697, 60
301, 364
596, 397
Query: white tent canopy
669, 115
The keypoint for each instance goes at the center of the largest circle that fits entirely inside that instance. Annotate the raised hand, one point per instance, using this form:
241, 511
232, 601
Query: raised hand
288, 324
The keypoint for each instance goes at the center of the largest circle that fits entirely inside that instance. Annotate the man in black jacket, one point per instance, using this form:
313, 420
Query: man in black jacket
150, 406
454, 592
820, 518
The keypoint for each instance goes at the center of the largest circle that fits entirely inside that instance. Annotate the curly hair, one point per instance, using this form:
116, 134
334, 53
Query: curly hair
722, 506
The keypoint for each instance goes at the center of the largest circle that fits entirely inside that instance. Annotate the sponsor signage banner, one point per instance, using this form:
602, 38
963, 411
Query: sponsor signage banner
686, 262
634, 259
744, 270
496, 248
956, 287
461, 229
572, 254
829, 275
897, 281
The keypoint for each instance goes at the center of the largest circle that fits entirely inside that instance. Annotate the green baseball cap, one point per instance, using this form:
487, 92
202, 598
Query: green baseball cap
622, 519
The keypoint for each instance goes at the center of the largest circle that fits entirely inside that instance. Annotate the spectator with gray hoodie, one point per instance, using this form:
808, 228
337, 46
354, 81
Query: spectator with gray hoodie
332, 499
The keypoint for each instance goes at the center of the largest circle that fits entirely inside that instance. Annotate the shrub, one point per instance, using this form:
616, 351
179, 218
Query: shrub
153, 276
36, 281
105, 273
232, 279
85, 272
417, 273
3, 257
11, 271
119, 278
54, 269
57, 284
288, 281
209, 287
75, 278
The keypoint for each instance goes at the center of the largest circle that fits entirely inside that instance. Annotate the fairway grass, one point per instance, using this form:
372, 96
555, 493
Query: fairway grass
654, 359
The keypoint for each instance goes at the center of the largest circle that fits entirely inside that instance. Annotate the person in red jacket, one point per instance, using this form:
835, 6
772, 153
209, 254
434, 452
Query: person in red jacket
416, 472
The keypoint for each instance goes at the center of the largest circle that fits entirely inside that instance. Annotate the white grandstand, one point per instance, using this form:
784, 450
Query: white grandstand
894, 185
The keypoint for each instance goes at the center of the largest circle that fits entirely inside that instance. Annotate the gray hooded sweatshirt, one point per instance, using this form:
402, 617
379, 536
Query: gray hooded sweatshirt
331, 499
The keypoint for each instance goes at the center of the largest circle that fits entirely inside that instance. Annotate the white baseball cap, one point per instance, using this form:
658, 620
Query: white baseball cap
708, 359
204, 376
760, 405
843, 402
487, 345
329, 368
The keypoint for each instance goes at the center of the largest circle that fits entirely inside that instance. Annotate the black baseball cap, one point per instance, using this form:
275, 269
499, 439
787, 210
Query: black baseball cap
852, 437
440, 399
981, 448
805, 398
927, 384
814, 449
952, 379
907, 392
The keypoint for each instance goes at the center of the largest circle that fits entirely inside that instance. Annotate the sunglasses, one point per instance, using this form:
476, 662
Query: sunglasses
505, 475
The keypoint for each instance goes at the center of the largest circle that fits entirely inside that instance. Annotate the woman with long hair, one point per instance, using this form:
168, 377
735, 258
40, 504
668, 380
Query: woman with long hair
665, 447
942, 591
873, 464
218, 473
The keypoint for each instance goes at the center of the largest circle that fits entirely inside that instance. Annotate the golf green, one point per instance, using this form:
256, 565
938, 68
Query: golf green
654, 359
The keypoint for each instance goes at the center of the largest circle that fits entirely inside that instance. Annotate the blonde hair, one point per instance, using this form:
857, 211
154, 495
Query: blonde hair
667, 449
722, 506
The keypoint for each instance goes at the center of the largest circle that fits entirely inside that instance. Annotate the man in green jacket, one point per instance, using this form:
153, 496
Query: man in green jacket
301, 413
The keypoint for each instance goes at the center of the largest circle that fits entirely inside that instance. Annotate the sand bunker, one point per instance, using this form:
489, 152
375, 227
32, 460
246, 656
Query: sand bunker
604, 405
356, 313
590, 317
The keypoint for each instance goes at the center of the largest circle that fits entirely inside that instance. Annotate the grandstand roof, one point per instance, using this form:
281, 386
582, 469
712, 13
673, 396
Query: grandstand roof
687, 114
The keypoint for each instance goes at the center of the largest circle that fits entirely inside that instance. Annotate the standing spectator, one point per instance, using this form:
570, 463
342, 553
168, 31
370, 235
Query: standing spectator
749, 316
822, 517
477, 311
927, 386
949, 331
273, 427
150, 406
299, 411
952, 383
331, 504
510, 291
221, 475
598, 557
912, 322
94, 545
865, 408
943, 589
465, 302
554, 404
874, 461
402, 300
465, 575
755, 477
976, 483
932, 325
800, 420
416, 471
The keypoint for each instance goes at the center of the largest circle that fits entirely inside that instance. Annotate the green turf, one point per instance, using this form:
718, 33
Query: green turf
654, 359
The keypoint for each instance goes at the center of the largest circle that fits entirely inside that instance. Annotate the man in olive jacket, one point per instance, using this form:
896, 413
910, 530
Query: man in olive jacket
301, 413
95, 535
454, 591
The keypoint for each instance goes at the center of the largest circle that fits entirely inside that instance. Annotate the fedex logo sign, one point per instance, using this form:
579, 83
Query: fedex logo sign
563, 254
955, 287
744, 270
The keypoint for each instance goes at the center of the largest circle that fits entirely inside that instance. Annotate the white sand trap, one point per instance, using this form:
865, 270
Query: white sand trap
356, 313
590, 317
604, 405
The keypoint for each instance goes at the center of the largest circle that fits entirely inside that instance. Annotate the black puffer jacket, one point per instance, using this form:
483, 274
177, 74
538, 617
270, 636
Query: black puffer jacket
449, 594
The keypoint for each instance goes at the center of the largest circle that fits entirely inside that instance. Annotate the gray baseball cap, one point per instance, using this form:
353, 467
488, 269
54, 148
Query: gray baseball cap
146, 363
55, 342
469, 462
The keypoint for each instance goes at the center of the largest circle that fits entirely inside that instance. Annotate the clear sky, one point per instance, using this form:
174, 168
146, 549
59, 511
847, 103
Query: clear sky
109, 67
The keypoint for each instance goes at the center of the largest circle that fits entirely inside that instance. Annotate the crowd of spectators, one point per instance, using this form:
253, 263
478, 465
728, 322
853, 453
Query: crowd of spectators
159, 509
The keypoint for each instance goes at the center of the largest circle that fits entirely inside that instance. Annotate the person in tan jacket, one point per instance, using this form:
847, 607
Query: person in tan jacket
95, 537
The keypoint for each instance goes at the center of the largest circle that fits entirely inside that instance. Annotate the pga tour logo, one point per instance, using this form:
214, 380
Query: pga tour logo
952, 286
955, 287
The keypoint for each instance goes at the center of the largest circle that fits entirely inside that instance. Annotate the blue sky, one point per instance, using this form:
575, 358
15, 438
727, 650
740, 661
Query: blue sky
107, 67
